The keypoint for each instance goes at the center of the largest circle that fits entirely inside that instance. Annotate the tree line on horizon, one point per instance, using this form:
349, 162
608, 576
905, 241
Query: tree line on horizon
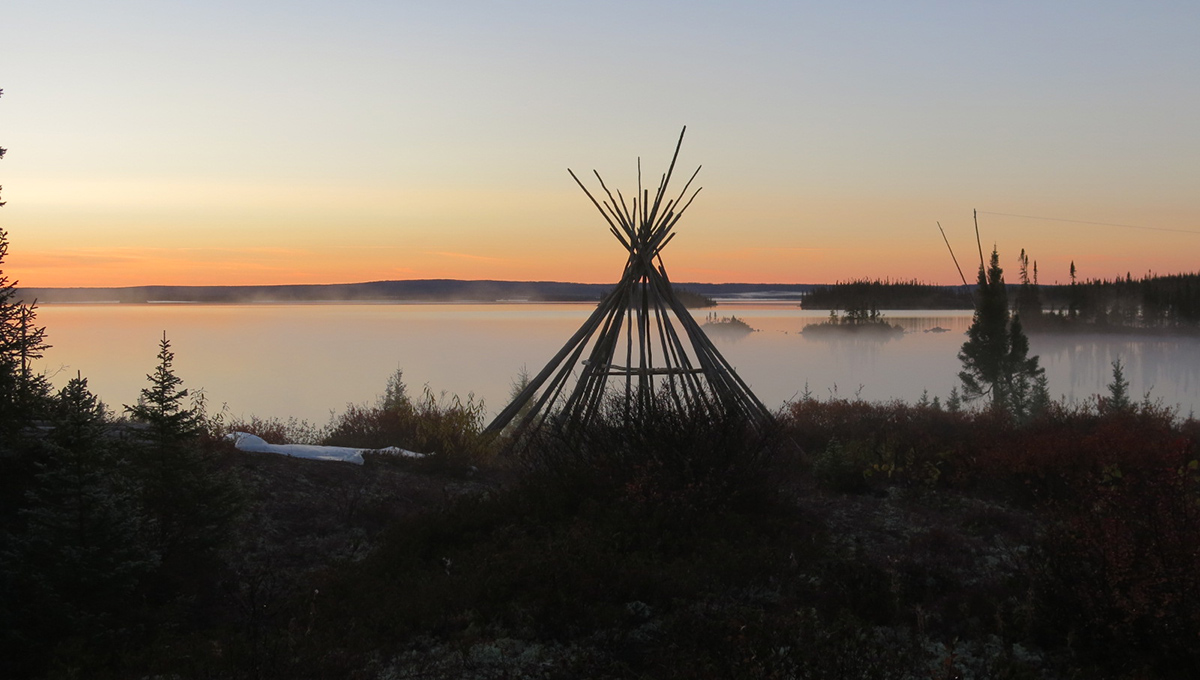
1152, 302
866, 294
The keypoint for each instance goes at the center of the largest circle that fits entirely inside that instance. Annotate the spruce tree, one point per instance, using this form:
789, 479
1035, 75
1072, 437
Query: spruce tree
162, 406
1073, 302
1026, 389
982, 355
191, 503
995, 357
79, 555
1029, 297
1118, 392
22, 393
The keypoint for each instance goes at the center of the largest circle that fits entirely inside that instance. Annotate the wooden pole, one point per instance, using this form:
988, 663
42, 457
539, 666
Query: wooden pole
960, 271
978, 242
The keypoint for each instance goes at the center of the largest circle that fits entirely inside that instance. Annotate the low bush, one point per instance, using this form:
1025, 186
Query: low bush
885, 444
843, 468
1121, 555
1114, 575
447, 428
658, 455
274, 430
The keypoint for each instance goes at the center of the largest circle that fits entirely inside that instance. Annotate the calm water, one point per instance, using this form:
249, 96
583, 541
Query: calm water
308, 361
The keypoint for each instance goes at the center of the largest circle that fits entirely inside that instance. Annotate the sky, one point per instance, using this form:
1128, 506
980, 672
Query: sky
312, 141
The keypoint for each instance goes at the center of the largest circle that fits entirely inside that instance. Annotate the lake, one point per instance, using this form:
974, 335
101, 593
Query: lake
310, 360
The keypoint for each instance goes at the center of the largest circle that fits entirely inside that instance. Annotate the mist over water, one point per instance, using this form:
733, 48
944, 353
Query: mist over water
310, 360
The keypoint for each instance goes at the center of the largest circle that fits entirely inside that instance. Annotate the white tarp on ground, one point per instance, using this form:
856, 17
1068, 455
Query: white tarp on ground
245, 441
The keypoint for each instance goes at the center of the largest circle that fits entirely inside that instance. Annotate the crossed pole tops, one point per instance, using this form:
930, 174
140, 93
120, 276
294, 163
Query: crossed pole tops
643, 226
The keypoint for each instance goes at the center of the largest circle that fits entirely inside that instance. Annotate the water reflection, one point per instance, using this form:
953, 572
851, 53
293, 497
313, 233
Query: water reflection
781, 361
1080, 366
309, 360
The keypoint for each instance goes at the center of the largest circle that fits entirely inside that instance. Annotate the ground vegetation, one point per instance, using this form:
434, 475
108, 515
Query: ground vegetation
878, 540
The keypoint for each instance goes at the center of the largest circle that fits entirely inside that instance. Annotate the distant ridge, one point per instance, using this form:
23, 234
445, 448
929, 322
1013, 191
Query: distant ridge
419, 290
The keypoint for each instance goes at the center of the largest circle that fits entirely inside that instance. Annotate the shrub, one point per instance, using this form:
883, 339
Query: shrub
842, 468
275, 430
1122, 567
892, 443
656, 455
448, 427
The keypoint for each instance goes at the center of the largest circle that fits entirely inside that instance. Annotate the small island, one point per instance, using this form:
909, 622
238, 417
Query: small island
857, 320
726, 325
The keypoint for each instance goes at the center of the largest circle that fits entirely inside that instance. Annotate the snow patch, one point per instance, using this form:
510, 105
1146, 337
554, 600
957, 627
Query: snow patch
244, 441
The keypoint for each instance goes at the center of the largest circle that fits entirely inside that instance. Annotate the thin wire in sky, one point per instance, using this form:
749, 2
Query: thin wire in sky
1104, 224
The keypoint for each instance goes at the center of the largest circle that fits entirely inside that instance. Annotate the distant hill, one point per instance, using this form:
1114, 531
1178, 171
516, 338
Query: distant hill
422, 290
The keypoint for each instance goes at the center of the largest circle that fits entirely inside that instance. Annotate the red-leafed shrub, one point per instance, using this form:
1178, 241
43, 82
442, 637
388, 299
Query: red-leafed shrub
854, 445
1116, 571
1123, 561
1054, 458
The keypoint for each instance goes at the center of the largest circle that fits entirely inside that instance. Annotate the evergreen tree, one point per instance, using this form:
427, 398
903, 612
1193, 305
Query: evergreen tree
22, 394
1039, 400
995, 357
79, 555
162, 407
987, 338
1118, 392
1029, 297
954, 401
183, 492
1073, 300
1026, 390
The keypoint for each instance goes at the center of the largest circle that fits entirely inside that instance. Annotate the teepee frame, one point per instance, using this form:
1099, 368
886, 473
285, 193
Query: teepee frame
635, 320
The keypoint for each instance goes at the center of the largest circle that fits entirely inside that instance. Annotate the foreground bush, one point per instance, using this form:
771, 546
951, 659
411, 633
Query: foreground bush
657, 455
1115, 572
857, 445
447, 427
1122, 559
